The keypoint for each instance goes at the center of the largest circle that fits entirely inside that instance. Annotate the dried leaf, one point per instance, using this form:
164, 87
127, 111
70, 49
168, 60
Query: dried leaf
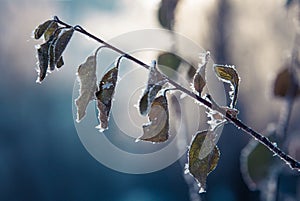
285, 84
61, 43
229, 74
148, 97
52, 40
104, 96
157, 130
199, 78
154, 85
60, 62
50, 30
198, 166
43, 57
88, 85
41, 29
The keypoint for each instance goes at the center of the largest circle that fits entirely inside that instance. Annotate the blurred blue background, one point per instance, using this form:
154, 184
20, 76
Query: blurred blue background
41, 156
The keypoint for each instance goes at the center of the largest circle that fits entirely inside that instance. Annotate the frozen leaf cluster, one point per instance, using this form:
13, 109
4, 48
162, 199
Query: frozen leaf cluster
49, 53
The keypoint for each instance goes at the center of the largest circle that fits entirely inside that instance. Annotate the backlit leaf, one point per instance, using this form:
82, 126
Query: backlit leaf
157, 130
168, 63
104, 97
40, 30
42, 53
61, 43
86, 75
154, 85
229, 74
256, 161
285, 84
198, 166
199, 78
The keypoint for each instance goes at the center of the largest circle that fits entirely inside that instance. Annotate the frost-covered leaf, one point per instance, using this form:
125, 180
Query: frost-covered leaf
154, 85
86, 75
198, 166
166, 13
105, 95
256, 161
43, 58
60, 62
52, 40
157, 130
61, 43
229, 74
50, 30
40, 30
148, 97
285, 84
199, 78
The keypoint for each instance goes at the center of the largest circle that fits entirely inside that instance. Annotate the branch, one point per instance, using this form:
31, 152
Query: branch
238, 123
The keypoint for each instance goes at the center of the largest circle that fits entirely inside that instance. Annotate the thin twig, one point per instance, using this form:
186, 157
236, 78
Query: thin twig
238, 123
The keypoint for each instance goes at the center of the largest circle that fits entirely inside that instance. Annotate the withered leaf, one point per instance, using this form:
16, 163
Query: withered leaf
199, 78
60, 62
229, 74
61, 43
198, 166
105, 95
40, 30
53, 38
88, 85
154, 85
50, 30
157, 130
285, 84
148, 97
43, 57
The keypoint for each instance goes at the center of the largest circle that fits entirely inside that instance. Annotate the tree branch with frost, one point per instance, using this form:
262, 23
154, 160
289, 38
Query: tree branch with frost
57, 35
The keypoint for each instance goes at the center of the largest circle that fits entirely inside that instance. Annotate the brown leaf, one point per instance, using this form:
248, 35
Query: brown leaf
198, 165
229, 74
50, 30
104, 96
41, 29
148, 97
199, 78
154, 85
52, 40
88, 85
60, 62
157, 130
285, 84
61, 43
43, 57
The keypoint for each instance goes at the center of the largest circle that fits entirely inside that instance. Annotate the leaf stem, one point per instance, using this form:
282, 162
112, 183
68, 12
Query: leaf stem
238, 123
